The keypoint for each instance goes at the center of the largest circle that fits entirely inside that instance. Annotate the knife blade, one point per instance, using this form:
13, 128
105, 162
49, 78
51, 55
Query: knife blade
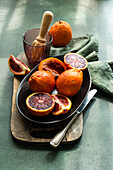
60, 135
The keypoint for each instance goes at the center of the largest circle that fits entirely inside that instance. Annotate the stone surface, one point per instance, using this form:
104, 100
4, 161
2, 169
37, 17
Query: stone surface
95, 149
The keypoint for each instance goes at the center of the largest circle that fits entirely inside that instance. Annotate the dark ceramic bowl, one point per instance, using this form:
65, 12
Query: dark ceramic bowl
77, 100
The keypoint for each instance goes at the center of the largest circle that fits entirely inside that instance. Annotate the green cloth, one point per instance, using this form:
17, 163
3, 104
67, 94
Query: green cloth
88, 46
102, 75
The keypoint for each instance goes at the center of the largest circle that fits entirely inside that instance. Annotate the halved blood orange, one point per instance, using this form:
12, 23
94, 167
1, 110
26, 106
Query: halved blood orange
62, 104
17, 67
40, 104
53, 65
74, 60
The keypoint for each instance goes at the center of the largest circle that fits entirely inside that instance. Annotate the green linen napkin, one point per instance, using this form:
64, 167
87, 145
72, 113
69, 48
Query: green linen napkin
102, 75
88, 46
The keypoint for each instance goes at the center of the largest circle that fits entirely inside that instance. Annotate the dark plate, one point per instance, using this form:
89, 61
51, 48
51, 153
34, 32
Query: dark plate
77, 100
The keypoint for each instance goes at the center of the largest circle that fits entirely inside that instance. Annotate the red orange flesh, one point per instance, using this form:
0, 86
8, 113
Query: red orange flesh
74, 60
17, 67
52, 65
62, 104
40, 104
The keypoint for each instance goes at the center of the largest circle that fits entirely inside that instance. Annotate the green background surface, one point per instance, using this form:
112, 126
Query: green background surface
94, 151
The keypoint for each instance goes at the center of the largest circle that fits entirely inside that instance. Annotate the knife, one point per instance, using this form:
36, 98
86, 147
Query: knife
60, 135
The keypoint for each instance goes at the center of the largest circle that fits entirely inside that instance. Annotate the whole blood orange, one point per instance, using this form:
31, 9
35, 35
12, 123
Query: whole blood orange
61, 32
40, 104
69, 82
17, 67
53, 65
62, 104
42, 81
74, 60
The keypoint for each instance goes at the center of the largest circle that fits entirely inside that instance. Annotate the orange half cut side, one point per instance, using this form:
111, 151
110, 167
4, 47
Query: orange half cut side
74, 60
52, 65
40, 104
17, 67
62, 104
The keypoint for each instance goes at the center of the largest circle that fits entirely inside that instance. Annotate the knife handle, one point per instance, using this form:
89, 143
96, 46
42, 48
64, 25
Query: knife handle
58, 138
60, 135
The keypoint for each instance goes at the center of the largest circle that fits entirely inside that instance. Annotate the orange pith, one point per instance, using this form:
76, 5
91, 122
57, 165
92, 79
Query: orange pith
52, 65
62, 104
61, 32
41, 81
74, 60
69, 82
40, 104
17, 67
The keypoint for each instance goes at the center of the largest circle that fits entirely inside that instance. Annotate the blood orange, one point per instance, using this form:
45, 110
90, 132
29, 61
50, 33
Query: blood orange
74, 60
62, 104
17, 67
53, 65
41, 81
61, 32
69, 82
40, 104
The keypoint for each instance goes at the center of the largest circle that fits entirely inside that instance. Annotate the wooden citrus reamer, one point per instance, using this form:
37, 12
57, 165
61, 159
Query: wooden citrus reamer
40, 39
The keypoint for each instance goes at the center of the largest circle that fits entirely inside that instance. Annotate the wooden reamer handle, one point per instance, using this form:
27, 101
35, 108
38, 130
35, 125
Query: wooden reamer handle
46, 21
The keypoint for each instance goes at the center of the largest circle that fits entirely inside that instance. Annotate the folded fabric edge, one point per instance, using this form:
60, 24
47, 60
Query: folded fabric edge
93, 45
111, 64
85, 48
101, 75
92, 57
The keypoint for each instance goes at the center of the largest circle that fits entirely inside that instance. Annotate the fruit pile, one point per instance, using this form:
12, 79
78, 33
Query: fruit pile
66, 77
